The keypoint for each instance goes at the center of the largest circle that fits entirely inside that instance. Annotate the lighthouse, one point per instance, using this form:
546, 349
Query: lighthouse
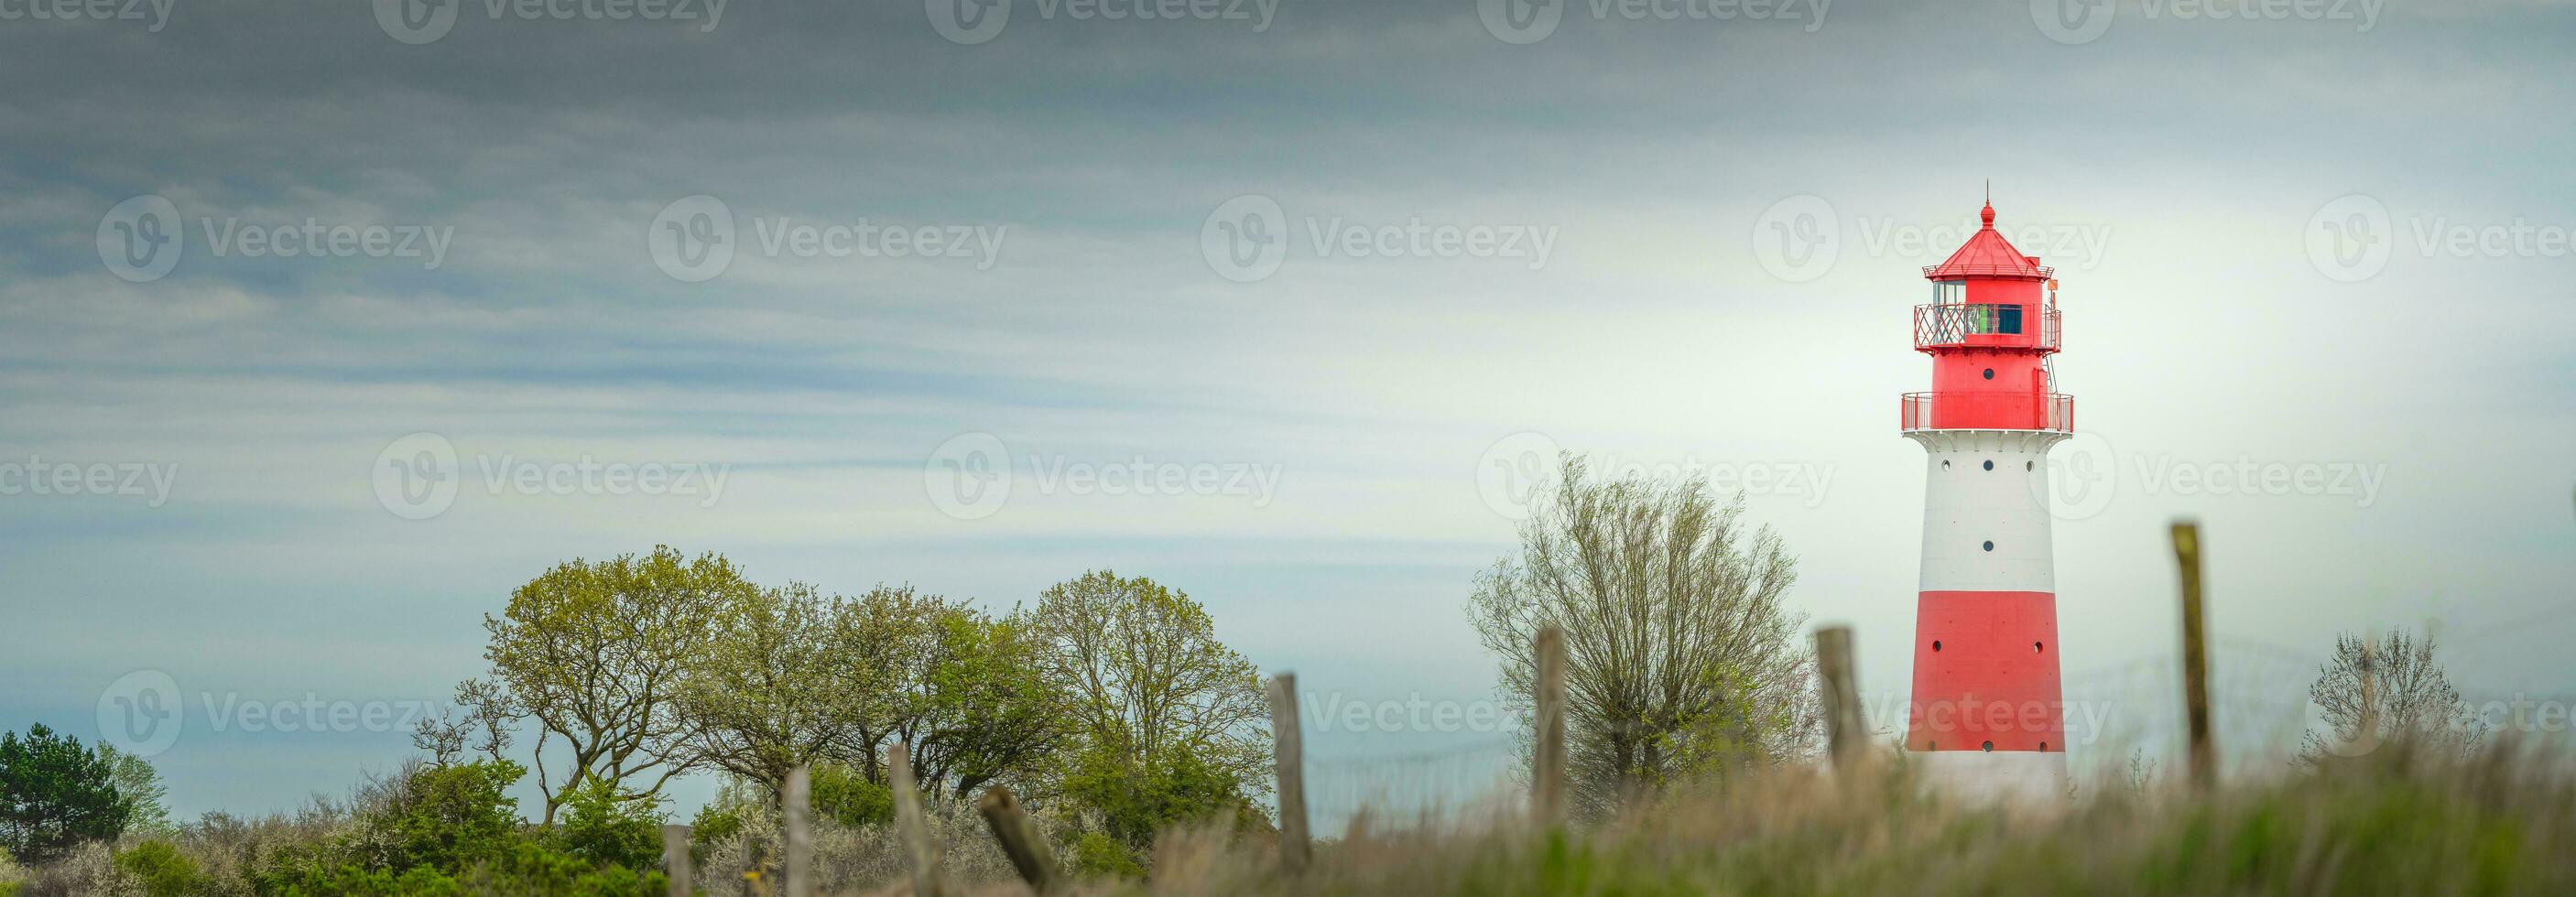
1987, 717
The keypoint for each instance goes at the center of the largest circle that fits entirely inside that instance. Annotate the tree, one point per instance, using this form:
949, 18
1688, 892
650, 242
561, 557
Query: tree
986, 707
140, 785
595, 654
785, 681
55, 794
1682, 657
1153, 688
2390, 690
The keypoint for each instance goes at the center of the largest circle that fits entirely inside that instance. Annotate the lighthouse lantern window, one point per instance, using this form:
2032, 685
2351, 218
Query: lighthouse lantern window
1949, 292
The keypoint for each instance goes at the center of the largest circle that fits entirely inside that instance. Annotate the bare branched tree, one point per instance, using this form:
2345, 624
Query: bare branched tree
1682, 659
2374, 692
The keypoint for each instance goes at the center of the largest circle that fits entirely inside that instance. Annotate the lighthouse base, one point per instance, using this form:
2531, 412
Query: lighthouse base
1993, 776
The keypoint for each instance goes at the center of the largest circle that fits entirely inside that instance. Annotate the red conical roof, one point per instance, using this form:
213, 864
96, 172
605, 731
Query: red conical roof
1987, 254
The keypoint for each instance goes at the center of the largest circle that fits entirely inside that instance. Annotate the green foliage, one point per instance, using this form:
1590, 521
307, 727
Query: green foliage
449, 817
1160, 699
849, 798
604, 829
55, 794
1096, 854
160, 868
139, 783
1139, 797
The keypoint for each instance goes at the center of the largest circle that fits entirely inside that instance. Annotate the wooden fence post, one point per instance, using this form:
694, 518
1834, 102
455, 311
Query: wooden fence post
796, 803
2195, 657
918, 847
675, 859
1547, 761
1290, 748
1021, 840
1846, 731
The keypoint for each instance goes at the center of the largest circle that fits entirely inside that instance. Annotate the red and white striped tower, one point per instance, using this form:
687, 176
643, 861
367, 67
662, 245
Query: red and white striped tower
1987, 717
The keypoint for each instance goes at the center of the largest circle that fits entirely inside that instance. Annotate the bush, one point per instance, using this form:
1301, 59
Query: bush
159, 868
605, 830
850, 798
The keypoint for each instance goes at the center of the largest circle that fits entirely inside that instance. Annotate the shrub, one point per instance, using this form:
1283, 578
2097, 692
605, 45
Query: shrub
159, 868
605, 830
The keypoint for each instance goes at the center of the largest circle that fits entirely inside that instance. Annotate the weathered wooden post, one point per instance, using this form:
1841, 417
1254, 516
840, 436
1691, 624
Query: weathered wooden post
1286, 742
1547, 760
1847, 732
1021, 840
918, 847
675, 859
2195, 657
796, 802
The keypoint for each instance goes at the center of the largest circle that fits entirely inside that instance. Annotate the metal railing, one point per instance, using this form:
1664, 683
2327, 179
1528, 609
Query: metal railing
1985, 325
1997, 410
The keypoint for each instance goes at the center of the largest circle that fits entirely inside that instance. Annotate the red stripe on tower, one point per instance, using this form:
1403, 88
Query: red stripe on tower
1987, 715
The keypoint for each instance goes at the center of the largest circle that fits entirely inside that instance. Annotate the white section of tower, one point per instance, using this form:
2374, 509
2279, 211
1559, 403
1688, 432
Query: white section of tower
1980, 487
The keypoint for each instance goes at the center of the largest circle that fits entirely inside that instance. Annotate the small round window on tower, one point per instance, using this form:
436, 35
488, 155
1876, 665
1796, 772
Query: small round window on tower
1936, 644
2043, 745
1989, 747
1990, 373
1990, 465
2036, 647
1990, 545
1945, 464
2025, 465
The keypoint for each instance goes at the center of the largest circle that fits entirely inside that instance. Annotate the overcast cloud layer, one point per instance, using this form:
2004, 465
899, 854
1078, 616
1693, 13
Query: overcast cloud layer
1275, 310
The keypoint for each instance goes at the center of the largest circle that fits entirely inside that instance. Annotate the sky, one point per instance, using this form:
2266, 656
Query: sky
324, 325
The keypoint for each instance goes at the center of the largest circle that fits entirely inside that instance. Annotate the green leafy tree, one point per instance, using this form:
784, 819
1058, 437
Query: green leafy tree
595, 655
55, 794
784, 682
161, 869
988, 706
849, 798
1173, 722
1683, 658
139, 783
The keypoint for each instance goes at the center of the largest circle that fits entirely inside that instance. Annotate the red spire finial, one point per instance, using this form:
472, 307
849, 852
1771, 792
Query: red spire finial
1987, 215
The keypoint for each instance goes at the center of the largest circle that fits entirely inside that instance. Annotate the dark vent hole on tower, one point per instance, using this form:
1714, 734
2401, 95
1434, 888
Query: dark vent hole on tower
1990, 546
2036, 647
1945, 464
1990, 373
2043, 745
1989, 747
2025, 465
1990, 465
1936, 644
